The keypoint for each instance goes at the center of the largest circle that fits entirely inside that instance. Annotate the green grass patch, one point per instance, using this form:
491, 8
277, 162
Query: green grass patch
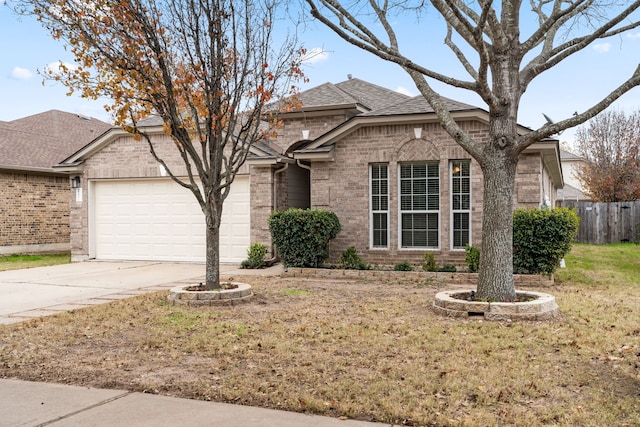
18, 262
599, 265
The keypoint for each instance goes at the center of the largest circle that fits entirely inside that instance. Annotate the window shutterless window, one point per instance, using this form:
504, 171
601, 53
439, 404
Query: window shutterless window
379, 213
461, 203
419, 205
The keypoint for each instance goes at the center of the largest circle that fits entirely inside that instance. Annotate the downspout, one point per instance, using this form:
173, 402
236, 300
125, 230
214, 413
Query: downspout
302, 165
274, 192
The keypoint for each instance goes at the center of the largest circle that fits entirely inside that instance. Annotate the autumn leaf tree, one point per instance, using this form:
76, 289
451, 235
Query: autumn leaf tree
610, 145
498, 58
206, 67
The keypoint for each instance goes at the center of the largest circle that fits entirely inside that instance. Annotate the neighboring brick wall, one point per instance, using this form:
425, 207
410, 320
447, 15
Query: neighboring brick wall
34, 210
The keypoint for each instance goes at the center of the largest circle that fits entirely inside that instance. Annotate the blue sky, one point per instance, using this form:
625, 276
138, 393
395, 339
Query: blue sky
25, 48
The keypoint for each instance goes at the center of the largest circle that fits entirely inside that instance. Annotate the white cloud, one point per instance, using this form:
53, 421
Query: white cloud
20, 73
56, 67
633, 35
315, 55
602, 47
405, 91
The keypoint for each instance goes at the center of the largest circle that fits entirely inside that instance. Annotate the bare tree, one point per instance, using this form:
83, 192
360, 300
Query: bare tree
206, 67
610, 144
485, 37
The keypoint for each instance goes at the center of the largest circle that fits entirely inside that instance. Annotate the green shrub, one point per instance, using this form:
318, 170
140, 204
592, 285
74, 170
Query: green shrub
403, 266
302, 236
450, 268
429, 262
472, 258
350, 260
541, 238
255, 256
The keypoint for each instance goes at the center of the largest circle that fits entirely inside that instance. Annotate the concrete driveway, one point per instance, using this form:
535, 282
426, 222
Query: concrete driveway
43, 291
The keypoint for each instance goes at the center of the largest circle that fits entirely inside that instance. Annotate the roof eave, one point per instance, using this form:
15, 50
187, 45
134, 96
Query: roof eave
550, 152
323, 110
30, 170
326, 155
268, 160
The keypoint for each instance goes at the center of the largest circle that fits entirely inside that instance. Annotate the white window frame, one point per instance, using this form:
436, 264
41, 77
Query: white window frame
426, 211
452, 177
372, 212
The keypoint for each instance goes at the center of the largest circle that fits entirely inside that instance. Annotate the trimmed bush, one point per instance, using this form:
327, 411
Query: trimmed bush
255, 256
472, 258
403, 266
449, 268
429, 262
541, 238
350, 260
302, 236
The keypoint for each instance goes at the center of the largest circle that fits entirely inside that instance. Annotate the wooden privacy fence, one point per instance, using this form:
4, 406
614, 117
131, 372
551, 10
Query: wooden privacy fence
602, 223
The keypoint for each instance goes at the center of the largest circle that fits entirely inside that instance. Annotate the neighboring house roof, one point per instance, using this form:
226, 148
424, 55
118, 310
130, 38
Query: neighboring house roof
569, 192
569, 156
37, 142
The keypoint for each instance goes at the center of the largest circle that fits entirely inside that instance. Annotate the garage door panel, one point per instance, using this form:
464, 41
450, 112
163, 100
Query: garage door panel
159, 220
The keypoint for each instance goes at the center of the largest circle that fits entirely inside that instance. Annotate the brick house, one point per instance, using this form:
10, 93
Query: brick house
377, 158
34, 211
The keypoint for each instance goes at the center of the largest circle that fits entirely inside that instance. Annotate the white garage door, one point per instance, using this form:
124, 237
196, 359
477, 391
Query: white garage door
156, 219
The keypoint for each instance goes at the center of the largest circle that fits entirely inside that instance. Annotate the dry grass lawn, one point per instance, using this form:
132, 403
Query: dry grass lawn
372, 351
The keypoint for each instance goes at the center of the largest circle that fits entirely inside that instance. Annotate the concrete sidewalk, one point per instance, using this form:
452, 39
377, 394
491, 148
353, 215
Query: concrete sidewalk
43, 291
28, 404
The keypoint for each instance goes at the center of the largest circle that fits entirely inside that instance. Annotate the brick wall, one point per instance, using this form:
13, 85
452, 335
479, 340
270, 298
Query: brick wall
34, 210
122, 158
343, 187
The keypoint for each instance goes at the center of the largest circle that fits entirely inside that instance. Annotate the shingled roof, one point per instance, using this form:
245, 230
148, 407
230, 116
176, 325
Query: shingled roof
417, 105
351, 92
42, 140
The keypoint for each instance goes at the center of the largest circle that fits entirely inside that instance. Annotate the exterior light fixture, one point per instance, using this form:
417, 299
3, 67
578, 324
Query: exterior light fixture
75, 182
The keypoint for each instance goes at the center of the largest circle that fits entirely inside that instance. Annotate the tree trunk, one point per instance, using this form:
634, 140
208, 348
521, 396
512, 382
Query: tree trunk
495, 279
213, 255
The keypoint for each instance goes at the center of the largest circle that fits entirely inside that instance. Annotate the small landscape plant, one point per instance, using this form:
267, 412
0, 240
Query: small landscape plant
255, 256
472, 258
350, 260
429, 262
403, 266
